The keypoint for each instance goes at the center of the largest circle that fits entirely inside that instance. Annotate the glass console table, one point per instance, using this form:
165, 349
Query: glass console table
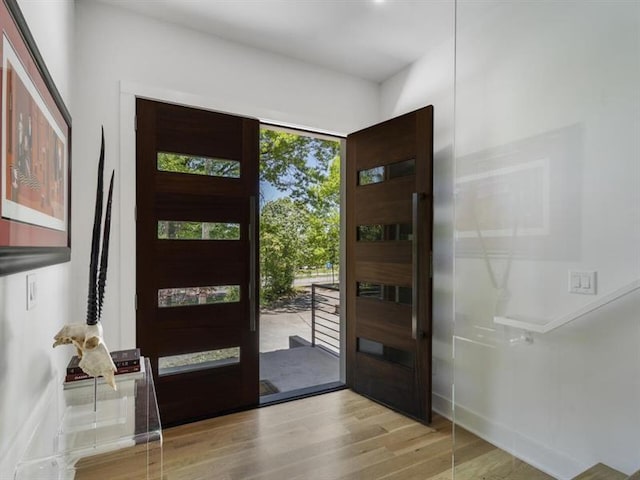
121, 438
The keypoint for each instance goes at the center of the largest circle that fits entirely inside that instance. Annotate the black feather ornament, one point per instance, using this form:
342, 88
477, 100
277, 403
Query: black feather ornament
98, 271
104, 258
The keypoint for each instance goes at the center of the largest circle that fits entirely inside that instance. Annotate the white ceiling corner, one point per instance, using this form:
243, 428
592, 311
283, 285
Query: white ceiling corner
362, 38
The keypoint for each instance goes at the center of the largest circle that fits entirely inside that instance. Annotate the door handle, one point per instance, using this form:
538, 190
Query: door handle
252, 263
415, 261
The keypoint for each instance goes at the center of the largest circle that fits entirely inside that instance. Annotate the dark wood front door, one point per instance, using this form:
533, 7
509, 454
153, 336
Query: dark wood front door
197, 184
389, 231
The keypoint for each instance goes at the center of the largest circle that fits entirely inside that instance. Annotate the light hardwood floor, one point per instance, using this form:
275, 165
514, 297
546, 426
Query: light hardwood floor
340, 435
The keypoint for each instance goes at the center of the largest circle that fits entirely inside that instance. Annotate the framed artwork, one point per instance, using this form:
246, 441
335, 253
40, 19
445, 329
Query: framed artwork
35, 154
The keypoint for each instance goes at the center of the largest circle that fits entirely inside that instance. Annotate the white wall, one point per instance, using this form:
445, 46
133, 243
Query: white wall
28, 364
121, 54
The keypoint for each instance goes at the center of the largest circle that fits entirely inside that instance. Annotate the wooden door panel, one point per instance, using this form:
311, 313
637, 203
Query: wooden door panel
389, 326
386, 252
172, 206
396, 143
175, 388
199, 132
385, 203
192, 250
385, 273
216, 314
174, 274
393, 385
175, 341
197, 184
385, 322
195, 326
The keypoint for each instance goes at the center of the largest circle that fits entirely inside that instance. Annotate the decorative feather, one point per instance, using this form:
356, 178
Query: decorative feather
104, 258
92, 306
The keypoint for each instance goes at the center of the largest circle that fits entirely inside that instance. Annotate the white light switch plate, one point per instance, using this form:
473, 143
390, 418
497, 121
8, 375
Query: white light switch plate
583, 282
32, 291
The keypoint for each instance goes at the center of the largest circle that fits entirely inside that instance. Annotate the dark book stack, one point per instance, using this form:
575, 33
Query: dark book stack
126, 361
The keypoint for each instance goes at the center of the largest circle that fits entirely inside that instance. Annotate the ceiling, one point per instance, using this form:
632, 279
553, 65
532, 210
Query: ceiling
369, 39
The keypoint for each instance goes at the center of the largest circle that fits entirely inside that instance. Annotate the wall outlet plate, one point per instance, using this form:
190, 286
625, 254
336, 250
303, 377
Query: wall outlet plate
32, 291
583, 282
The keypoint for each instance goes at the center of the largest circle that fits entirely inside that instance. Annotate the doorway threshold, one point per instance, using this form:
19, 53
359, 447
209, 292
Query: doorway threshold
281, 397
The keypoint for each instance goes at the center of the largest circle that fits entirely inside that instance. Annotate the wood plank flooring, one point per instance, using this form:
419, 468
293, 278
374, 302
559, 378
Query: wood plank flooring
340, 435
601, 472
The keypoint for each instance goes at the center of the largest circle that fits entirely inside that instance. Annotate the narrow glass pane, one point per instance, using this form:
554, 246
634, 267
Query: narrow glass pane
377, 233
384, 352
180, 297
401, 169
386, 172
177, 230
195, 165
389, 293
188, 362
372, 175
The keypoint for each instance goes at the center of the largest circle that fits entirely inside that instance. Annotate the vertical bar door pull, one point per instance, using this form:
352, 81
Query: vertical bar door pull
415, 262
252, 263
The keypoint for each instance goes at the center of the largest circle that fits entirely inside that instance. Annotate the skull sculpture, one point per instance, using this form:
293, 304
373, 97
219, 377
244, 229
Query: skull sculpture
95, 359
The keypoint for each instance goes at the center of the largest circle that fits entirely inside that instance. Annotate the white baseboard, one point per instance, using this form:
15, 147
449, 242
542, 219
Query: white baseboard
17, 449
549, 461
442, 406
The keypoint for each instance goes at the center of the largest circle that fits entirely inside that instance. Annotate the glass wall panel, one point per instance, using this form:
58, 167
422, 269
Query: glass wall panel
547, 264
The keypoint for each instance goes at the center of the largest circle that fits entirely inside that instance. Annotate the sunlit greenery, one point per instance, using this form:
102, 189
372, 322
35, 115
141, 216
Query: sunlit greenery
302, 229
174, 230
195, 165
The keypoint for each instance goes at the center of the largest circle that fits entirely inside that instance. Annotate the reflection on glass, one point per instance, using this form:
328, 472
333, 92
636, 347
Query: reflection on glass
372, 175
384, 352
377, 233
189, 362
389, 293
195, 165
180, 297
176, 230
386, 172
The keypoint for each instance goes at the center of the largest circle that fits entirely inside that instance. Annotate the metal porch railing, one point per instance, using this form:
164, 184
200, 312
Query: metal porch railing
325, 317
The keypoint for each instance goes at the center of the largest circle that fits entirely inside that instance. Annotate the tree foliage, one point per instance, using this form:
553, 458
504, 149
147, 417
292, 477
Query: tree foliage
282, 226
184, 230
197, 165
295, 163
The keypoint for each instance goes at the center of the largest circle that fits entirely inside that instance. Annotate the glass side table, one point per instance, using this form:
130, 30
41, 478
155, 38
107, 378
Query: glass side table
123, 434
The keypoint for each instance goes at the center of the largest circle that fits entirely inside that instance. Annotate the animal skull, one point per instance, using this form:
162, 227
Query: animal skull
95, 359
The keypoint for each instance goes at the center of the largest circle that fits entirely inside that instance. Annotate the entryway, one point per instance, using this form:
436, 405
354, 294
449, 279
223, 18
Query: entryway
202, 230
300, 326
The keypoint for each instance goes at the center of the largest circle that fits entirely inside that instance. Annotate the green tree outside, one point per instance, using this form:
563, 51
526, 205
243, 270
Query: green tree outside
282, 237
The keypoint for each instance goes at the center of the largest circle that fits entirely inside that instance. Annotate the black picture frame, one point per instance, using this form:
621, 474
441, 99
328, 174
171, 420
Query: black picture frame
37, 245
